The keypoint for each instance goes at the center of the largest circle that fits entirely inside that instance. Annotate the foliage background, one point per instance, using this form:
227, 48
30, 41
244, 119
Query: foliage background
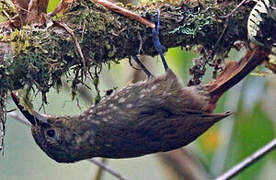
224, 145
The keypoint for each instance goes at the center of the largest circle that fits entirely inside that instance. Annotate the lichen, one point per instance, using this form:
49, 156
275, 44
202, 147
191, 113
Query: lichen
198, 24
42, 56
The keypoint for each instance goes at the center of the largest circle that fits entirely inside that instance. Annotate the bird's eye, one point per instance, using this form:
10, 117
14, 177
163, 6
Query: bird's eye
51, 132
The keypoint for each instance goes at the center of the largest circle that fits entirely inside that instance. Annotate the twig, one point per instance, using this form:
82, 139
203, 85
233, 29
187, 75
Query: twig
99, 174
111, 171
19, 118
182, 164
235, 9
113, 7
70, 31
248, 161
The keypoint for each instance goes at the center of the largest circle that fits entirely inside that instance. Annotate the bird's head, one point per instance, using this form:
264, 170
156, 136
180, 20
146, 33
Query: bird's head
62, 138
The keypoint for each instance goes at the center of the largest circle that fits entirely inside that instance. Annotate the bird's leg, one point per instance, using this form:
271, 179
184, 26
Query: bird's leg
148, 73
156, 42
157, 45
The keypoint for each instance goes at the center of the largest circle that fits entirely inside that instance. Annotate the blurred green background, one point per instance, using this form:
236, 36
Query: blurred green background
253, 125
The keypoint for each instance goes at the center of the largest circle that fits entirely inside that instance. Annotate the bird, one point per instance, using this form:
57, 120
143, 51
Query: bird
158, 114
155, 115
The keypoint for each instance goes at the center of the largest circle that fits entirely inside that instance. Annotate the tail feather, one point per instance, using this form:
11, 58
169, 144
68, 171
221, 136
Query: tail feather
234, 72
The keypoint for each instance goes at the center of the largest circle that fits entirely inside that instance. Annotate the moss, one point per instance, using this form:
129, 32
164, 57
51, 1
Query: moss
42, 57
199, 23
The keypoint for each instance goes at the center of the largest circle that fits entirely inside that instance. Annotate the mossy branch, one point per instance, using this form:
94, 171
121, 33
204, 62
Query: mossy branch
41, 56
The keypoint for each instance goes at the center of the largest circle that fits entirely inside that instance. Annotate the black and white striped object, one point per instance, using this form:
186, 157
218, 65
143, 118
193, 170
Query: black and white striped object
261, 23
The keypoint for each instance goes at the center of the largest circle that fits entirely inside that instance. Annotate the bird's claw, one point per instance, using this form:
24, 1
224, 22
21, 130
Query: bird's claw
147, 72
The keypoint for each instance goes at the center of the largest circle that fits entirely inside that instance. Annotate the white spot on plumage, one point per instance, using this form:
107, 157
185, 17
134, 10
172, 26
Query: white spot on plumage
143, 91
154, 87
100, 113
115, 108
96, 122
142, 95
129, 105
121, 100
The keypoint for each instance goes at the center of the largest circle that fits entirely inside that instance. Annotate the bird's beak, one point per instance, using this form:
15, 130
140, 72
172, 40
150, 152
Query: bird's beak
34, 118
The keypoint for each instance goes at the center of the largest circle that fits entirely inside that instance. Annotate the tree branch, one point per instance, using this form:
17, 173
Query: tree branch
41, 56
111, 171
183, 165
100, 171
248, 161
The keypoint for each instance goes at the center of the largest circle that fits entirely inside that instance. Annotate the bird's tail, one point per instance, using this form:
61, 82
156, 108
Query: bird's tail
234, 72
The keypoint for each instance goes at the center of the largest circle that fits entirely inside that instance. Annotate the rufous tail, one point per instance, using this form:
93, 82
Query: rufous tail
234, 72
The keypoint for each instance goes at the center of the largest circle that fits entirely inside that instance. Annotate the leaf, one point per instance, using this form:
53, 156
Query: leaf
180, 61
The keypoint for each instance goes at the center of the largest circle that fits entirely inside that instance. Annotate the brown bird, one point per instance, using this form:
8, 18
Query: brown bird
154, 115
